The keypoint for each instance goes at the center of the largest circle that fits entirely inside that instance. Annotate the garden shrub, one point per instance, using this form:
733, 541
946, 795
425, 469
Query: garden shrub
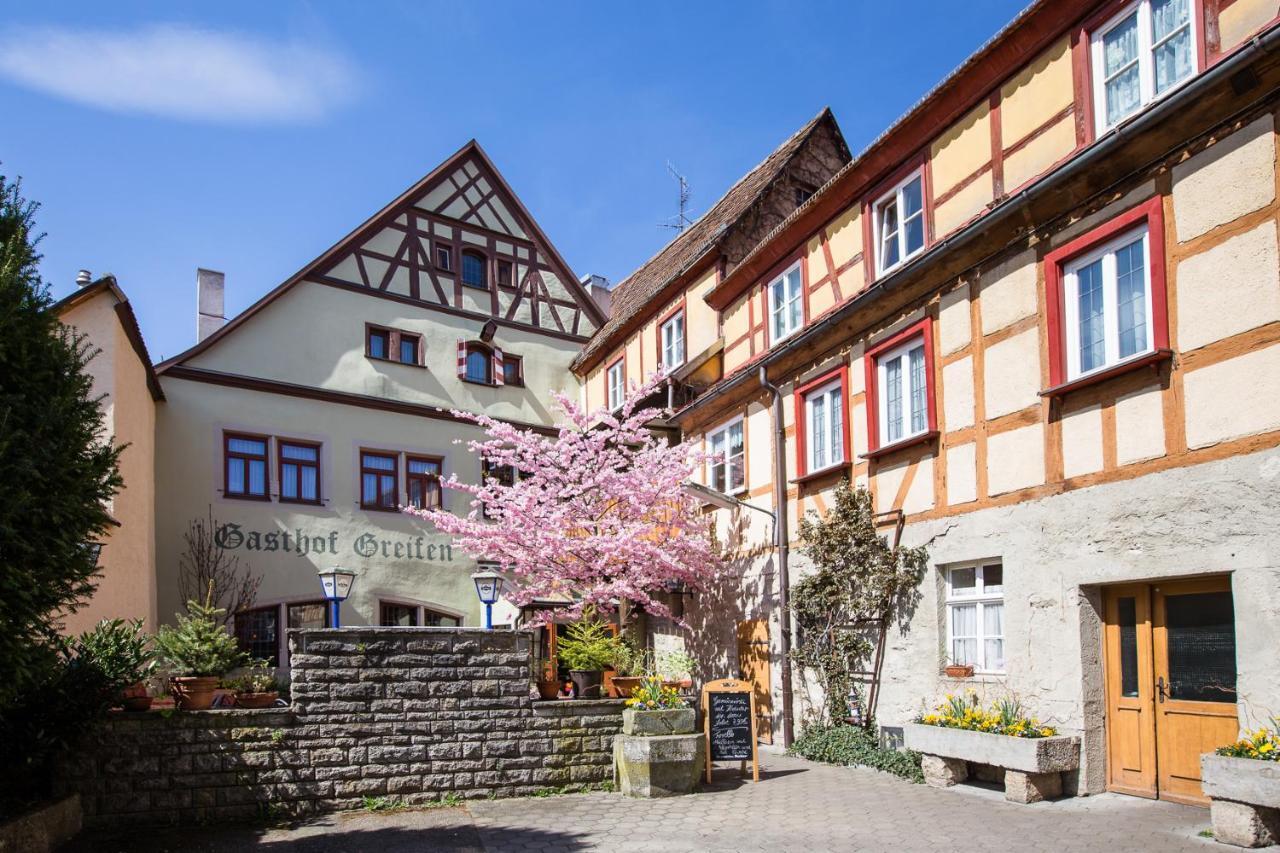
855, 745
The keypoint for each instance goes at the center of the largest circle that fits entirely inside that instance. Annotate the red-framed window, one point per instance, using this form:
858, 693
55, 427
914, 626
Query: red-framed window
1107, 298
422, 481
785, 299
671, 339
898, 218
245, 472
379, 483
822, 423
615, 384
299, 471
901, 407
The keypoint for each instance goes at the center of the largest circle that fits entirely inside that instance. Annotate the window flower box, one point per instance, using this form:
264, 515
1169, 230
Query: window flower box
1244, 799
1033, 766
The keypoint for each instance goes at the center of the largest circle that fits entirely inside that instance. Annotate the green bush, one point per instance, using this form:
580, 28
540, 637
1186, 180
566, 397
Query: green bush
199, 646
855, 745
588, 645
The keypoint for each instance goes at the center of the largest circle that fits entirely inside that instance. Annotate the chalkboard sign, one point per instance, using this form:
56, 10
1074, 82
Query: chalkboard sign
729, 723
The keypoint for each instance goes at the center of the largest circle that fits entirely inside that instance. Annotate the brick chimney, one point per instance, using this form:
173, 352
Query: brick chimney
211, 314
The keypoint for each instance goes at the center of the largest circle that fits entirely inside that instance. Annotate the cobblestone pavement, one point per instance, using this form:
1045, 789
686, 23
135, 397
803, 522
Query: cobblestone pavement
797, 806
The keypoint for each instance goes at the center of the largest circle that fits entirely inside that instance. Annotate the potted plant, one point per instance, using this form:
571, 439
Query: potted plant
959, 670
630, 664
675, 667
587, 648
656, 708
256, 688
198, 651
548, 680
135, 697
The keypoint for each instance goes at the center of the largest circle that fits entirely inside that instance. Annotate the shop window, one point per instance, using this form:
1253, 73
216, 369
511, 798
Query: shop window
257, 635
378, 486
672, 340
436, 619
1106, 299
473, 270
615, 378
900, 377
899, 224
512, 369
422, 481
727, 469
402, 615
975, 616
299, 471
786, 304
1140, 55
245, 466
824, 425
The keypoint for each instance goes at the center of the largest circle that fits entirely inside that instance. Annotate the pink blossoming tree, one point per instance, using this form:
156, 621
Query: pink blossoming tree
596, 516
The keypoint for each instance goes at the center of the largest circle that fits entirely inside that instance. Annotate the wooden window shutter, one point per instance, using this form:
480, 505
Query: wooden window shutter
499, 376
462, 358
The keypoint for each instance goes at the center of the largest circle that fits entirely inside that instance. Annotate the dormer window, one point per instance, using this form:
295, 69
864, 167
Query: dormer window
473, 270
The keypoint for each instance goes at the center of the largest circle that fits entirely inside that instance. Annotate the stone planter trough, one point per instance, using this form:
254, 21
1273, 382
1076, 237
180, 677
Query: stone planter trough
44, 829
658, 753
1033, 767
1244, 796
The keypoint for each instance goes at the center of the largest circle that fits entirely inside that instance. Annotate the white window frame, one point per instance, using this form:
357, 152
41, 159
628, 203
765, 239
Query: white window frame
895, 195
1146, 62
788, 300
903, 351
980, 597
724, 464
616, 383
833, 394
671, 337
1110, 313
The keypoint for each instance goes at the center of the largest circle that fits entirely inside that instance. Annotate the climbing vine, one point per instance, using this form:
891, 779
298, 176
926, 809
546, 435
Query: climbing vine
858, 577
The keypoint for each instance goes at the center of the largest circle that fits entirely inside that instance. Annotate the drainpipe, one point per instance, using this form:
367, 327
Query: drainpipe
780, 538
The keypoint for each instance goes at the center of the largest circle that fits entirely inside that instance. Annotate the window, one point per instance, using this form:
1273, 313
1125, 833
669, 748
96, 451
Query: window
436, 619
479, 366
257, 635
900, 382
727, 469
899, 224
378, 487
1139, 55
444, 257
473, 270
422, 481
245, 468
506, 277
506, 475
616, 384
803, 192
299, 471
512, 369
821, 411
785, 304
409, 348
1106, 297
403, 615
379, 343
310, 614
672, 340
975, 616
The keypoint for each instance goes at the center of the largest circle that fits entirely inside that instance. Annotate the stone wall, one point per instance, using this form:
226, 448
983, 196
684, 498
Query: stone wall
412, 714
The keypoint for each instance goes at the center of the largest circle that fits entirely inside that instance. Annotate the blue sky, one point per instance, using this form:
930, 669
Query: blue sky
249, 137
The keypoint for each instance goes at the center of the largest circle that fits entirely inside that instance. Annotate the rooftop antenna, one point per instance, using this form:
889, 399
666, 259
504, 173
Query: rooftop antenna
682, 219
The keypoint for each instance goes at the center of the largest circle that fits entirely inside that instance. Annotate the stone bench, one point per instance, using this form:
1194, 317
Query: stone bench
1032, 767
1244, 799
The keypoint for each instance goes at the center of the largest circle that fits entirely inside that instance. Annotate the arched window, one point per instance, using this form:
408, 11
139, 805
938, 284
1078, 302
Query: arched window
479, 366
473, 270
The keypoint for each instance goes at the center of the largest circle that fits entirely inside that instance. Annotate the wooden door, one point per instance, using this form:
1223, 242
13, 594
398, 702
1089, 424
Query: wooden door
1195, 680
1169, 656
753, 661
1130, 689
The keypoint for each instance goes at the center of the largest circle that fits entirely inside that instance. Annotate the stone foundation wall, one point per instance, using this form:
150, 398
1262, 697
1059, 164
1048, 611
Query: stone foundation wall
412, 714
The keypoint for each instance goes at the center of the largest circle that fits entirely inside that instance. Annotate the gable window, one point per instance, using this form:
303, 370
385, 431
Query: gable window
422, 481
479, 365
409, 348
803, 193
245, 466
672, 339
615, 382
379, 343
392, 345
899, 223
378, 486
900, 379
1106, 297
727, 468
824, 426
473, 270
506, 276
1139, 55
299, 471
512, 369
786, 310
444, 257
975, 616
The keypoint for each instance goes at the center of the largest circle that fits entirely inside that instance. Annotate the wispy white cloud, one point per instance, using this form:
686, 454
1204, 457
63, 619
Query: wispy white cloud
181, 72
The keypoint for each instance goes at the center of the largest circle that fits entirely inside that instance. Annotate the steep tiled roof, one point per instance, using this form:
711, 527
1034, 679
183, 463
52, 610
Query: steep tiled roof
634, 293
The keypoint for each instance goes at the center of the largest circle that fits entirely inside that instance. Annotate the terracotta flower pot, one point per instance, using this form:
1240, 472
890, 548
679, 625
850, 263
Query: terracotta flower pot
193, 693
134, 690
588, 682
957, 670
548, 688
623, 685
257, 700
136, 703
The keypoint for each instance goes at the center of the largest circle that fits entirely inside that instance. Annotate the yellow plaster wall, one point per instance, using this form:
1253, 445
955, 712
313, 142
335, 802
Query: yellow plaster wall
702, 327
1037, 93
1243, 18
735, 320
961, 150
964, 205
844, 235
1039, 154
